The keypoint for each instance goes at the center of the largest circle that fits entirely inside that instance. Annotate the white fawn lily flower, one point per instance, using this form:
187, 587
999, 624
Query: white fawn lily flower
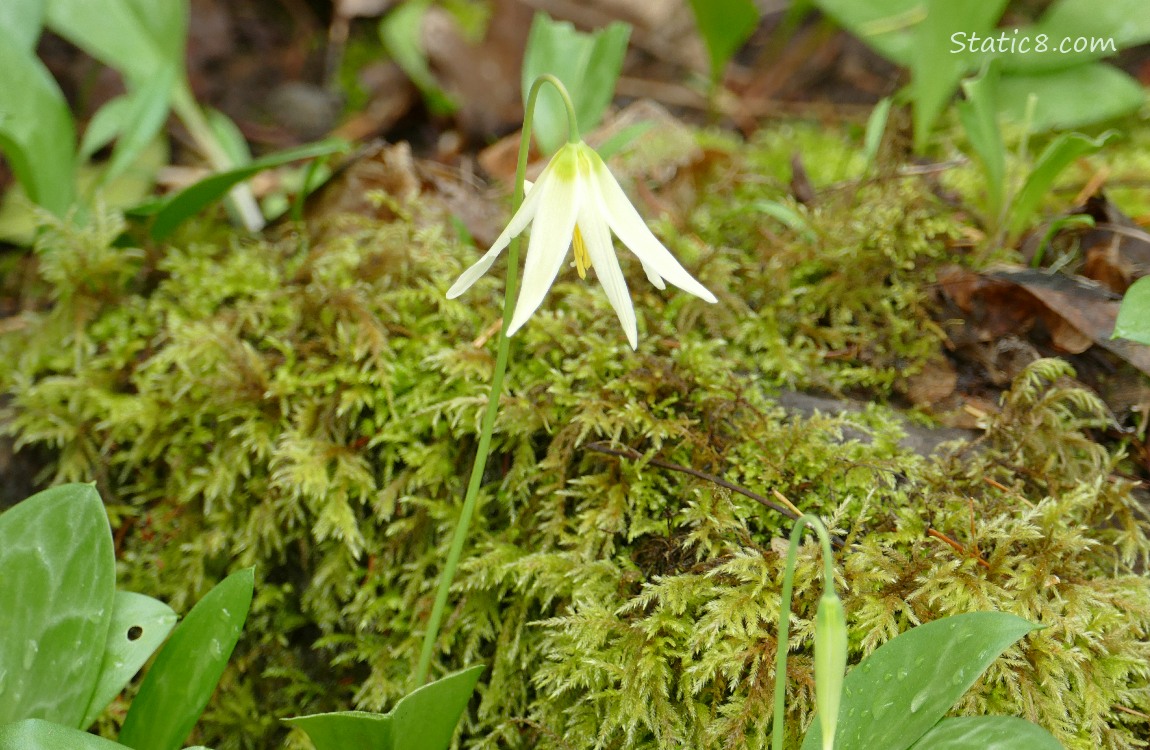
576, 201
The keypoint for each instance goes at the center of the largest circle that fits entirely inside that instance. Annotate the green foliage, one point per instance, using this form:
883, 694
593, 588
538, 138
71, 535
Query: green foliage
184, 675
724, 25
425, 719
1134, 315
940, 41
899, 692
72, 642
588, 65
314, 410
1011, 208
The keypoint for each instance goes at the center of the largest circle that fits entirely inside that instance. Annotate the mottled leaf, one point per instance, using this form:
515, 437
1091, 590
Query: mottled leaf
58, 569
902, 689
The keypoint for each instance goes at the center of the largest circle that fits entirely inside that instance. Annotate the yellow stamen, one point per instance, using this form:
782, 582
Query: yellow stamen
582, 259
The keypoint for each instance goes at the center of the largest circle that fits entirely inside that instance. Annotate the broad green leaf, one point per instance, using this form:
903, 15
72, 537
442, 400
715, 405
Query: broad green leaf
1134, 314
139, 625
22, 20
37, 734
425, 719
724, 26
885, 25
1055, 158
1059, 96
935, 67
979, 116
400, 33
191, 200
587, 64
184, 675
987, 733
347, 729
1099, 29
144, 116
59, 574
902, 689
136, 37
36, 131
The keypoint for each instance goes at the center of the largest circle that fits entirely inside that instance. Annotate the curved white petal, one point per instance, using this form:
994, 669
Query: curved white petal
558, 201
653, 276
625, 222
597, 237
518, 223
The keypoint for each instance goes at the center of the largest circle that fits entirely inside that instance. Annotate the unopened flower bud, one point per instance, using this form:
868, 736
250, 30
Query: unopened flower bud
830, 662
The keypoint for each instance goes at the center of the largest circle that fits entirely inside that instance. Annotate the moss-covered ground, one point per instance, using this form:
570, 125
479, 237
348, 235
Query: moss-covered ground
308, 403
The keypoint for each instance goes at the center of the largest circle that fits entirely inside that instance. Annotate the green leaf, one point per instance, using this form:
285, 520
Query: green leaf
935, 67
987, 733
1055, 158
902, 689
1134, 314
136, 37
143, 117
191, 200
37, 734
139, 625
36, 131
979, 116
22, 20
400, 32
724, 26
875, 127
1108, 27
885, 25
587, 64
59, 574
425, 719
186, 671
1059, 96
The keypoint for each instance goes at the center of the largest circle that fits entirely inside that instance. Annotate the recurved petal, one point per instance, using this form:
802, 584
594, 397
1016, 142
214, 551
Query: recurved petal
625, 222
517, 224
653, 276
550, 237
597, 237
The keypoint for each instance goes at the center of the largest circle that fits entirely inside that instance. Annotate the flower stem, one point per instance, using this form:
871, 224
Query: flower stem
785, 615
487, 427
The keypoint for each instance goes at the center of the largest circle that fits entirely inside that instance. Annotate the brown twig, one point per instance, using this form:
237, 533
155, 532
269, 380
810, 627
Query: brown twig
957, 547
790, 512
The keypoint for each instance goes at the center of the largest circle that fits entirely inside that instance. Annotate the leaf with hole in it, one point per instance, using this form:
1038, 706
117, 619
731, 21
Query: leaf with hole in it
184, 675
37, 734
36, 131
59, 574
587, 64
139, 625
1134, 314
191, 200
425, 719
895, 695
986, 733
724, 26
1055, 158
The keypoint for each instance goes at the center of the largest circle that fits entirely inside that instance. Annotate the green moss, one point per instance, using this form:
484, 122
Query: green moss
314, 411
